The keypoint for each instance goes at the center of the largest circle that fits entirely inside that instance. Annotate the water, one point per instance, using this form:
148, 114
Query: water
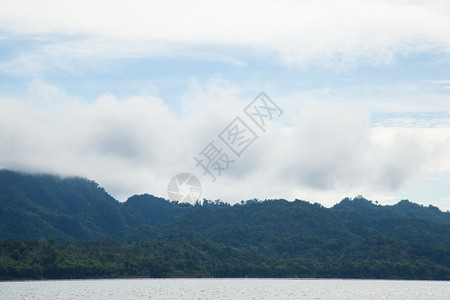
225, 289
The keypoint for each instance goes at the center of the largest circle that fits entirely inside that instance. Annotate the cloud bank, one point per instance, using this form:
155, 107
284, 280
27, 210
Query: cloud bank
136, 144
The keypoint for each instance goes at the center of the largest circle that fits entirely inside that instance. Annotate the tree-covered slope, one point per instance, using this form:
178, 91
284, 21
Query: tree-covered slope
140, 210
45, 206
404, 209
150, 236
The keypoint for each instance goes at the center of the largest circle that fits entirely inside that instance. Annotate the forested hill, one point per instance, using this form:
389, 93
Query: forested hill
404, 209
150, 236
46, 206
51, 207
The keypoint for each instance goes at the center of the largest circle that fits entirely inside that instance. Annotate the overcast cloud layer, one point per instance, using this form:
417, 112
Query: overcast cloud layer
364, 87
330, 32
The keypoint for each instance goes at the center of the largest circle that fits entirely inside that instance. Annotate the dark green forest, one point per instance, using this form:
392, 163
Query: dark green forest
52, 227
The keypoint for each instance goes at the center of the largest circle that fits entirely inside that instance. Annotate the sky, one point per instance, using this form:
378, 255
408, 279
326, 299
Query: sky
131, 93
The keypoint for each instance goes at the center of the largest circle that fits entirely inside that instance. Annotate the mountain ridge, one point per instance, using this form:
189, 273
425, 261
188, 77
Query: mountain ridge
52, 227
48, 206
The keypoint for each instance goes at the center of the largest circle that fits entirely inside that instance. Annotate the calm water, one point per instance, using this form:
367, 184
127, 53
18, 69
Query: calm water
224, 289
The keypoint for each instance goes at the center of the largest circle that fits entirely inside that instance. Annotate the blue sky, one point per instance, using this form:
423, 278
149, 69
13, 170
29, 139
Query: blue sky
128, 93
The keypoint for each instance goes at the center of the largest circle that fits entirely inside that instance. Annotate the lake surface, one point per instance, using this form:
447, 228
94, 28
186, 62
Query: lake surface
225, 289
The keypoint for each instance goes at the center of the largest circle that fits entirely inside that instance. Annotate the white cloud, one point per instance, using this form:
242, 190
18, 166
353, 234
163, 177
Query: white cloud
130, 145
135, 145
332, 33
330, 148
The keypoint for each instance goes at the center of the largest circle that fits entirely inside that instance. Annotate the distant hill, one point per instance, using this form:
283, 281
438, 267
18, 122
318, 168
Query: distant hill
46, 206
404, 209
151, 236
140, 210
51, 207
